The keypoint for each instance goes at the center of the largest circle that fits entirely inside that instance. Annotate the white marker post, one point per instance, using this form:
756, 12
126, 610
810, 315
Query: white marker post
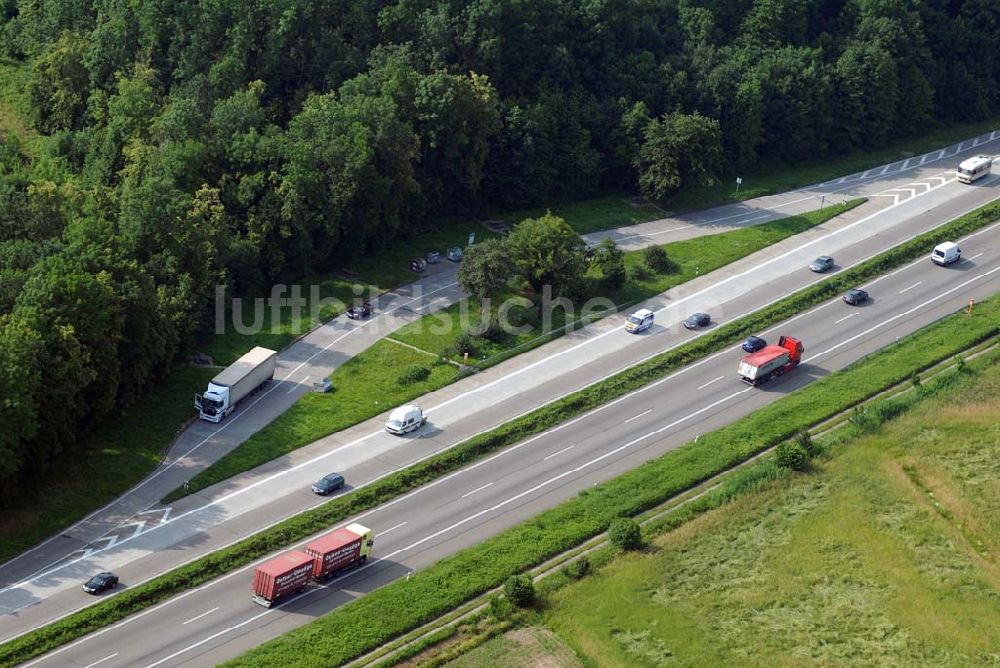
738, 182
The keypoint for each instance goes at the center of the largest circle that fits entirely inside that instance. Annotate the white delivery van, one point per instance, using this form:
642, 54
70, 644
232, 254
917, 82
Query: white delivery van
946, 253
639, 321
405, 419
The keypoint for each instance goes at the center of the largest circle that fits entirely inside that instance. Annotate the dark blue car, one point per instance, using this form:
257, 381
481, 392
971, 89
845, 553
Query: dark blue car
753, 344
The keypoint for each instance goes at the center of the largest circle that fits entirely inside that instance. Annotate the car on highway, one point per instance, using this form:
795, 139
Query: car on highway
327, 484
696, 320
855, 297
753, 343
360, 311
405, 419
639, 321
821, 264
100, 582
946, 253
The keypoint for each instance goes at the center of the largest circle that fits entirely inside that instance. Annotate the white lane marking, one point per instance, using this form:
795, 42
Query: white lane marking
90, 665
296, 386
194, 619
503, 452
903, 314
636, 417
702, 387
382, 533
445, 478
556, 454
478, 489
844, 318
974, 256
911, 287
571, 471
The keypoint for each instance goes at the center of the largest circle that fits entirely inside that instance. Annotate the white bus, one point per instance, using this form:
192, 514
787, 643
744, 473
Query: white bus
974, 168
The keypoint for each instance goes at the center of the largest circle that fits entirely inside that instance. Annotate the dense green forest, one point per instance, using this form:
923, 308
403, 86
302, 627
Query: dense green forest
189, 144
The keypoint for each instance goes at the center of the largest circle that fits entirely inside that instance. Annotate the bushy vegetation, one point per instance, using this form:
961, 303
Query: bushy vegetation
520, 589
185, 145
625, 534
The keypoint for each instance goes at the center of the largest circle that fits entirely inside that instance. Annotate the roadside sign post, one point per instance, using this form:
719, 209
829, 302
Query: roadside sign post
472, 238
971, 302
738, 182
822, 201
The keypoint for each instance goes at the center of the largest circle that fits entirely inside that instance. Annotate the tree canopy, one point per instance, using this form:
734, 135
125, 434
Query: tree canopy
186, 145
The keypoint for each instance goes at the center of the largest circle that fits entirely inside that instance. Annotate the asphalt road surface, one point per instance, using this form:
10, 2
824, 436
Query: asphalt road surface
249, 502
318, 353
219, 621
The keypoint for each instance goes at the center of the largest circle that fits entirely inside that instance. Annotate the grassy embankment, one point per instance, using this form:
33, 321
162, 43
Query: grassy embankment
982, 324
397, 608
369, 383
847, 564
884, 555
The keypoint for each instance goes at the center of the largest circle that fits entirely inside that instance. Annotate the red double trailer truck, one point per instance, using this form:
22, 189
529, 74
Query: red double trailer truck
771, 361
319, 560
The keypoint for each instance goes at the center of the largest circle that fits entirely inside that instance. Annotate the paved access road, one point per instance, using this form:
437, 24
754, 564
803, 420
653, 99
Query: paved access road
320, 352
249, 502
219, 621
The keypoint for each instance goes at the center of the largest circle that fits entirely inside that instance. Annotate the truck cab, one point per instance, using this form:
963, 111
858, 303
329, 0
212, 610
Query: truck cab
213, 404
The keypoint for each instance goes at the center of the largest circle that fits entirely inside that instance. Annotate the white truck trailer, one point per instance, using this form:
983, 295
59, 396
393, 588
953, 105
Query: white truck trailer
239, 380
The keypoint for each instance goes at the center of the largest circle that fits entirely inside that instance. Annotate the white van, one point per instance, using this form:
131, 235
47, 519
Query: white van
405, 419
639, 321
946, 253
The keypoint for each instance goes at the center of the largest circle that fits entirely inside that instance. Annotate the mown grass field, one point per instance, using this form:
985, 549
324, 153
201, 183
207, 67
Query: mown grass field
529, 647
113, 459
887, 554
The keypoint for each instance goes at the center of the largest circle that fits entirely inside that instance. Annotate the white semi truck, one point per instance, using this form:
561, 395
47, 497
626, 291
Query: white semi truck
239, 380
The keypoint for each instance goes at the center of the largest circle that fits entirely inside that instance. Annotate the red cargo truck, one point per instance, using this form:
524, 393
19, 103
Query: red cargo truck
339, 549
281, 576
771, 361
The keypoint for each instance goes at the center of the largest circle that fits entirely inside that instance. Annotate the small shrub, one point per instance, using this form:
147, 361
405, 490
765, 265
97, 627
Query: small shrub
960, 365
445, 355
494, 333
639, 272
464, 343
915, 379
804, 440
414, 373
520, 589
792, 456
625, 534
656, 259
577, 569
500, 608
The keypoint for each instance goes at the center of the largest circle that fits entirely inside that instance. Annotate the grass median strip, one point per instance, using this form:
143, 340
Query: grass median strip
980, 325
380, 616
367, 384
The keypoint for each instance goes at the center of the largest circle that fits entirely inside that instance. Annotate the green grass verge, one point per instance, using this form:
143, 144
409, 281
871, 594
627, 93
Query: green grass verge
115, 457
366, 623
321, 298
775, 178
366, 385
306, 524
881, 556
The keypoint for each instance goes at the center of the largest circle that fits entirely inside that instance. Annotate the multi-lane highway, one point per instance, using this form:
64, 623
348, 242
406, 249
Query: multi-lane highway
219, 620
318, 353
250, 502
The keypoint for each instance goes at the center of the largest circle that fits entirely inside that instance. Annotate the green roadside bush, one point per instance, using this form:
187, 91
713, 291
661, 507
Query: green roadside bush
792, 456
520, 589
656, 259
413, 374
577, 569
625, 533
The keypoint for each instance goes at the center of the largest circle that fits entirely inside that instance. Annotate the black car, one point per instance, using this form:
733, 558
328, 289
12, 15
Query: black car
822, 263
753, 344
328, 483
100, 582
696, 320
359, 312
855, 297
